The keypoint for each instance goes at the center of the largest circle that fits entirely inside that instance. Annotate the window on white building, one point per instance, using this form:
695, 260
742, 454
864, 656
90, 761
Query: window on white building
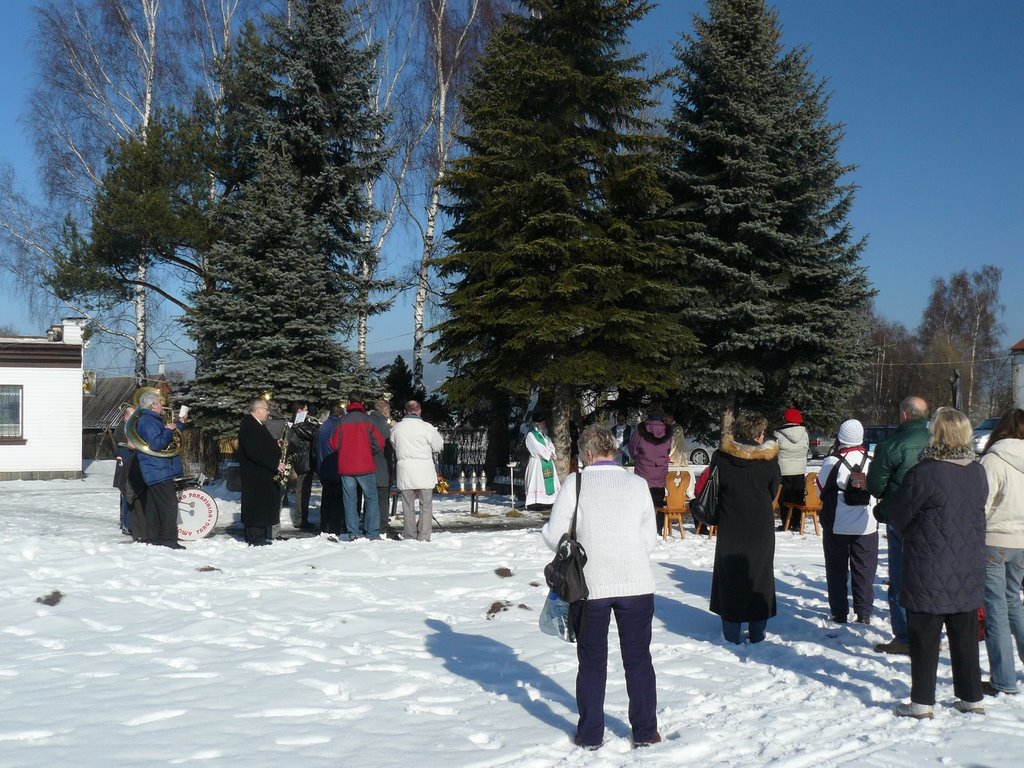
11, 427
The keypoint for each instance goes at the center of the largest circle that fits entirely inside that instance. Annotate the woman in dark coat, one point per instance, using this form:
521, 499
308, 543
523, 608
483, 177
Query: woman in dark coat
259, 459
743, 583
939, 511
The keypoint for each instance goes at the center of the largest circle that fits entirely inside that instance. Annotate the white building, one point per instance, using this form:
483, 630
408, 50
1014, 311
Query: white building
41, 404
1017, 369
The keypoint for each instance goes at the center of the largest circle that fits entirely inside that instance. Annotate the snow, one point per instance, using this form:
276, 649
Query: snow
316, 653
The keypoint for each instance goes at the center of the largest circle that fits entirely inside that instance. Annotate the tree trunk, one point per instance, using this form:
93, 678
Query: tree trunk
974, 356
453, 40
366, 270
422, 285
433, 208
561, 415
140, 322
728, 413
498, 438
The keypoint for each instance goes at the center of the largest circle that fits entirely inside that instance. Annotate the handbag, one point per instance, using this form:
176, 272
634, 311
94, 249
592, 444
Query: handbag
556, 619
566, 582
564, 574
704, 505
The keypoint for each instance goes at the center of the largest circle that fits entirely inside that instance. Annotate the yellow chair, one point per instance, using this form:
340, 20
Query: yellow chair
810, 507
676, 485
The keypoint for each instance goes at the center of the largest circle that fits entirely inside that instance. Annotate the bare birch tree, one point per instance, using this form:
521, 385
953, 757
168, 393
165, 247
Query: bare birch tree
106, 67
386, 30
101, 68
961, 326
456, 32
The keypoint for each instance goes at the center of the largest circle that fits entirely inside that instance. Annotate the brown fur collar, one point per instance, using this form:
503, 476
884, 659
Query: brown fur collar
766, 451
948, 453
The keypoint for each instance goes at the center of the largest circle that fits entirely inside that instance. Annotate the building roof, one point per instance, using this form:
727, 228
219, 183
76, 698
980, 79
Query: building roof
1018, 347
103, 409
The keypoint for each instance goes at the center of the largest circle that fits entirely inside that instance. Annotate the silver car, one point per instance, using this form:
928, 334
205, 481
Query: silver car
979, 437
699, 451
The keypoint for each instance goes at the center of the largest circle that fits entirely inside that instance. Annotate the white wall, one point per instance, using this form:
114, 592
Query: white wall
52, 420
1017, 367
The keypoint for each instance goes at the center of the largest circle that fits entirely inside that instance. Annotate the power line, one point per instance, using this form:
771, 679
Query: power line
952, 362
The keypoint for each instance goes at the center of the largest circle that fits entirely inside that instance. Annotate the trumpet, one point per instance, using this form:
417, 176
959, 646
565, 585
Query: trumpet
131, 429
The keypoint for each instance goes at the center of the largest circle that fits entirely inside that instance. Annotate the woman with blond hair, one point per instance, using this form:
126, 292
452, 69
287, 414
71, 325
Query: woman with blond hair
1003, 460
939, 512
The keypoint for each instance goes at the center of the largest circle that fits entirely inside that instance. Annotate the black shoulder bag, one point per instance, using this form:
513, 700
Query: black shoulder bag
704, 506
564, 574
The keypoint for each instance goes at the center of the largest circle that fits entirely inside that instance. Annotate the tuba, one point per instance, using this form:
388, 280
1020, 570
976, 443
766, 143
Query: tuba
131, 429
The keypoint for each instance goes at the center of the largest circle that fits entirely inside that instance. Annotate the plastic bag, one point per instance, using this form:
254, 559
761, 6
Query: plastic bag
555, 619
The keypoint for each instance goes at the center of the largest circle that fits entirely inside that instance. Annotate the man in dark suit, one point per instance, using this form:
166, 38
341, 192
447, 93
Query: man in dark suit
259, 461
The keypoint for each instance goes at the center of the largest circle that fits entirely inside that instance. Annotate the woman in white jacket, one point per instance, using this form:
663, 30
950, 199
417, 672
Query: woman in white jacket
793, 445
615, 525
1003, 460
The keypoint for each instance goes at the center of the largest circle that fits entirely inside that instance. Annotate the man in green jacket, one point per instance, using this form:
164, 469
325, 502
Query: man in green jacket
890, 464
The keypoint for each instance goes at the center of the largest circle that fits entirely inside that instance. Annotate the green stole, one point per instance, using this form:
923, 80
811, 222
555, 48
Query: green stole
547, 467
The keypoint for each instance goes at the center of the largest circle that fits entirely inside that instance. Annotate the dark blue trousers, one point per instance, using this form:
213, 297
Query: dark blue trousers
332, 517
633, 616
850, 560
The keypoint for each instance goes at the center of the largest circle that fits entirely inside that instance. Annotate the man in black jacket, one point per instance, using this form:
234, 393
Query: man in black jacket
301, 456
259, 460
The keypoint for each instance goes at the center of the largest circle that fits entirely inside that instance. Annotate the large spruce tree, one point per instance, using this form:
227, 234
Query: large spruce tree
779, 296
561, 266
300, 141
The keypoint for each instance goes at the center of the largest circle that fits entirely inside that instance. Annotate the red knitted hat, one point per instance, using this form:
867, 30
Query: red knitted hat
792, 416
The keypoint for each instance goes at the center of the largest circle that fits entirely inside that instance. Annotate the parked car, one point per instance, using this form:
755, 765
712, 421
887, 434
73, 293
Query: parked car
980, 434
819, 444
876, 434
699, 451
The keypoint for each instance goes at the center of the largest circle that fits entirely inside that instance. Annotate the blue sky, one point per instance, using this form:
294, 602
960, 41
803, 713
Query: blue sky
931, 93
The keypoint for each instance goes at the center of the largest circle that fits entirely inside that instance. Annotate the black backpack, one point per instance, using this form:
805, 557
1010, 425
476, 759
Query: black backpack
856, 493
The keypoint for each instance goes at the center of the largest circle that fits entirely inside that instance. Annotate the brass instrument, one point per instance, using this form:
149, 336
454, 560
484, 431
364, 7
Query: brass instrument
131, 429
282, 476
286, 459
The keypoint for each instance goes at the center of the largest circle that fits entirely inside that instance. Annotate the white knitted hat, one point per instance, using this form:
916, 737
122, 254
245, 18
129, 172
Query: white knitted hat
851, 432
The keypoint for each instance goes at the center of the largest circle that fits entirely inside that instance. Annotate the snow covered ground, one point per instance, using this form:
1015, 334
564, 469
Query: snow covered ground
313, 653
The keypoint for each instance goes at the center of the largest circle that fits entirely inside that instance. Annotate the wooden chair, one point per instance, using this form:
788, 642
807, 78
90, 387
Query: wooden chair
711, 532
676, 485
810, 507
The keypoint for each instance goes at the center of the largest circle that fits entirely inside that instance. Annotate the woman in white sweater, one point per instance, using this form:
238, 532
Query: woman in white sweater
615, 525
1003, 460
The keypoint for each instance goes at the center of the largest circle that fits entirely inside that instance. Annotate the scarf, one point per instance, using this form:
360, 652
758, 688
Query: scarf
547, 467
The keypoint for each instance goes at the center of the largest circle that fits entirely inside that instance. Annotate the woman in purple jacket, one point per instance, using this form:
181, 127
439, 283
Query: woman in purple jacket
650, 447
939, 511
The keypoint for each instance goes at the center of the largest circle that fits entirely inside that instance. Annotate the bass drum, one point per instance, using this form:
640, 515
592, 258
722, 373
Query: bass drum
197, 514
